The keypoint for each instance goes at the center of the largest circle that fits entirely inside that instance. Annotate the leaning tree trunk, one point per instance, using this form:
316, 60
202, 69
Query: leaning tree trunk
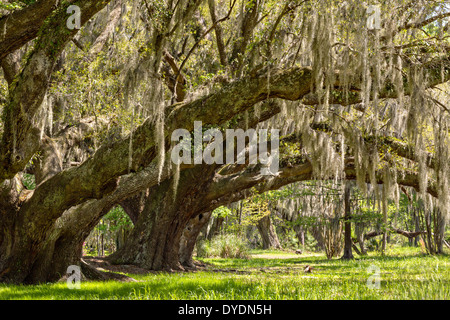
64, 245
42, 254
21, 247
39, 257
34, 250
189, 238
268, 233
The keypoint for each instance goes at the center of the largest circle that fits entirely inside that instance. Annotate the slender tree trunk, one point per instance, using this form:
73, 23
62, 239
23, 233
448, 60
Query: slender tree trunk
300, 235
441, 232
347, 225
359, 230
385, 220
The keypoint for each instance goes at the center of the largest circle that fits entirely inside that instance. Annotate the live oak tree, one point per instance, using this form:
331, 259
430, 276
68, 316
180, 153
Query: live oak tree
90, 113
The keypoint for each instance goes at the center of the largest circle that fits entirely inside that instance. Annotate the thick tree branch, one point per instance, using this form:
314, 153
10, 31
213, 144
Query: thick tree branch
408, 234
218, 31
100, 41
98, 175
11, 65
21, 26
180, 86
20, 138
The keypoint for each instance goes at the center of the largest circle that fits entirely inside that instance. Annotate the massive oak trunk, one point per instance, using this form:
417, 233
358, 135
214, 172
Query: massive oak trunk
40, 256
36, 258
154, 243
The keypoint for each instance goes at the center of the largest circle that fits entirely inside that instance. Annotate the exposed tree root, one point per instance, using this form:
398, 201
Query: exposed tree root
97, 269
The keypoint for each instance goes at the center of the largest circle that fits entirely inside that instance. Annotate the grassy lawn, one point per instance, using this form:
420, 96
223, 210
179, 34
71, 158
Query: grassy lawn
404, 273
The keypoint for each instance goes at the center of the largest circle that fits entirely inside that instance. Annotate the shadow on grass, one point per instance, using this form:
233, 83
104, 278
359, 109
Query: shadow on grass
344, 276
174, 288
207, 287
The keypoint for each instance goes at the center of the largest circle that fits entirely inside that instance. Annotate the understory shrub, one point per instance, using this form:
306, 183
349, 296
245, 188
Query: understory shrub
223, 246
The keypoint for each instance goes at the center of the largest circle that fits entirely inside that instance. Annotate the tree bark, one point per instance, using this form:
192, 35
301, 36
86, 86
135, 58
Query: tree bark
133, 206
23, 25
154, 243
189, 238
268, 233
316, 232
359, 230
347, 224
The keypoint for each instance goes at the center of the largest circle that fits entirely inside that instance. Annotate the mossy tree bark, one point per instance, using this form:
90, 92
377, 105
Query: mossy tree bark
190, 236
154, 243
347, 224
268, 233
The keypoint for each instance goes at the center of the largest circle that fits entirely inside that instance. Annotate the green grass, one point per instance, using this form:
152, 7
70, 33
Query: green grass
404, 274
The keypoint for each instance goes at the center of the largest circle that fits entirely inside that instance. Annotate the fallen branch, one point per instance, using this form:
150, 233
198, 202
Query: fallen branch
356, 249
408, 234
93, 273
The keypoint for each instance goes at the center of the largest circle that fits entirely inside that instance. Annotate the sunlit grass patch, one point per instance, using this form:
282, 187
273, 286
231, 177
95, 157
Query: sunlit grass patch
410, 275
